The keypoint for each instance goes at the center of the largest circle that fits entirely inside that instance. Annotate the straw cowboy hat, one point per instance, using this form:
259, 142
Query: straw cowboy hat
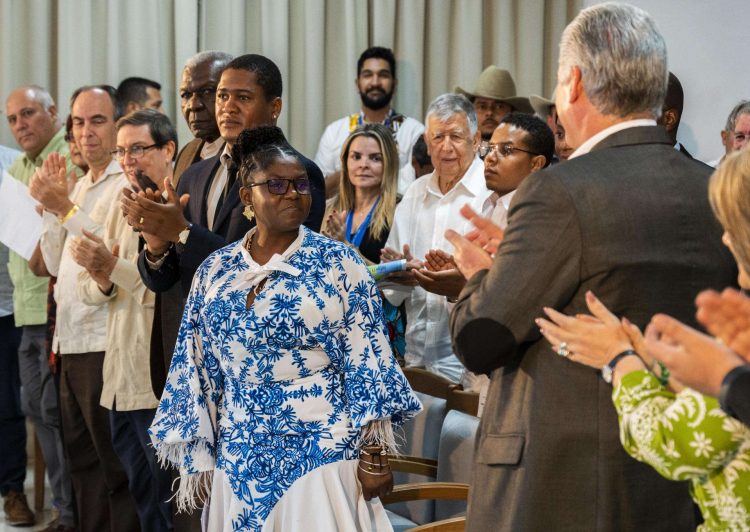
497, 84
542, 105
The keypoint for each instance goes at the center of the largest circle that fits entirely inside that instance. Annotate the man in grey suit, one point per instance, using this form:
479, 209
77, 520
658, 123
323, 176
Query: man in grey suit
626, 217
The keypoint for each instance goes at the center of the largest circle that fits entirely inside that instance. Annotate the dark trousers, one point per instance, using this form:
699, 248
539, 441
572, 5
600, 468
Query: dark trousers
12, 421
99, 481
39, 401
149, 485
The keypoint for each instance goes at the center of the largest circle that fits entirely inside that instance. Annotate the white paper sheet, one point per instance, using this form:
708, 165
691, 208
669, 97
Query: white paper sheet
20, 225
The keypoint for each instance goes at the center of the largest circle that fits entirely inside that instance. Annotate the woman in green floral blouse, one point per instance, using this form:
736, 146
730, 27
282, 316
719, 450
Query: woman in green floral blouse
680, 432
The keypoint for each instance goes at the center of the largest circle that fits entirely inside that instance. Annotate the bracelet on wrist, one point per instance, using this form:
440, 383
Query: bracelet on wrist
373, 451
608, 370
370, 472
74, 209
153, 257
662, 375
374, 464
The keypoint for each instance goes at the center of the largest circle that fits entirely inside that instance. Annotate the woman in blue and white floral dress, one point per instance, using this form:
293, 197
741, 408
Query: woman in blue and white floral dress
282, 370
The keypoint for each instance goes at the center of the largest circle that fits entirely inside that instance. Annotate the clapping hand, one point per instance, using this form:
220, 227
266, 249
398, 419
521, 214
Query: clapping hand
90, 252
159, 223
440, 275
475, 250
726, 315
693, 358
336, 226
438, 260
591, 340
469, 257
51, 186
485, 234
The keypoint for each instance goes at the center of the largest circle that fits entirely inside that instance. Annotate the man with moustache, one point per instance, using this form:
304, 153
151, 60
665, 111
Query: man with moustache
376, 82
494, 97
37, 128
200, 76
248, 95
521, 145
736, 132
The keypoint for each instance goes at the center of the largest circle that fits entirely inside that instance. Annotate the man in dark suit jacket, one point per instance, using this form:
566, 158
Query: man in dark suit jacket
200, 77
626, 217
178, 240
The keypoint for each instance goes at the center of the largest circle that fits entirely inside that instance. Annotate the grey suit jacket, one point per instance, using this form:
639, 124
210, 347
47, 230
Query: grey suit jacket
631, 222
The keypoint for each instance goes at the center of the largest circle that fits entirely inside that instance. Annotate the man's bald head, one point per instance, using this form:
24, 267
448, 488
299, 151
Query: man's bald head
32, 117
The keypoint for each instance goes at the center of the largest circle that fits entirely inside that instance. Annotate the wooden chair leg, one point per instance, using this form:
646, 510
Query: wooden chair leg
39, 467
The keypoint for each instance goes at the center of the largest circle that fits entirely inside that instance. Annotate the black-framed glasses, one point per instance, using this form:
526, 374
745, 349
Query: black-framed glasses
505, 149
279, 187
136, 152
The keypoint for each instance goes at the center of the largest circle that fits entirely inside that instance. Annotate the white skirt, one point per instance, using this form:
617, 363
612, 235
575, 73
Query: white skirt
328, 498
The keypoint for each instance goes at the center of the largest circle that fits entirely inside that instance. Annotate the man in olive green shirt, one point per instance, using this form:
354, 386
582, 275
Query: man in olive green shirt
36, 126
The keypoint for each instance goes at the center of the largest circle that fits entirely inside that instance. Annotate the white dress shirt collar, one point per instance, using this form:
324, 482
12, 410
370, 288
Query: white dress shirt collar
587, 146
210, 149
472, 181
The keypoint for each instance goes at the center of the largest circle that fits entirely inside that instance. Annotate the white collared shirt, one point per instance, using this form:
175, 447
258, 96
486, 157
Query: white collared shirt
218, 183
79, 328
421, 220
209, 149
126, 371
606, 132
502, 206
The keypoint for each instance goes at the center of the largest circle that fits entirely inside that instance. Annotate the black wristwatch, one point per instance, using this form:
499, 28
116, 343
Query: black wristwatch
609, 370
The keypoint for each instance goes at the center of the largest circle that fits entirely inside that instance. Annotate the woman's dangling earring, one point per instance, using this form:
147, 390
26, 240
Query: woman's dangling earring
248, 212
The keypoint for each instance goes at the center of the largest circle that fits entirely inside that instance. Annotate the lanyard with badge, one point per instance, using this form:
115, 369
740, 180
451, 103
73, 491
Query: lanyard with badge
356, 239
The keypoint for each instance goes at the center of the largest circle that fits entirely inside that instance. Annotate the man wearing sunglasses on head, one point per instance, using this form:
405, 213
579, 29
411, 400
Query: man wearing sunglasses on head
205, 212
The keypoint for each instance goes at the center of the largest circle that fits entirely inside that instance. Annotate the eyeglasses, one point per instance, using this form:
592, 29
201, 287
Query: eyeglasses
279, 187
505, 149
136, 152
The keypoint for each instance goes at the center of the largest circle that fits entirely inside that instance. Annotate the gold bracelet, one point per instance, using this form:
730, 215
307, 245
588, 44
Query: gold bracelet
371, 473
74, 209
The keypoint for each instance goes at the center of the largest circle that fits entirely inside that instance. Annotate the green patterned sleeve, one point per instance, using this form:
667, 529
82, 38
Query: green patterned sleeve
682, 436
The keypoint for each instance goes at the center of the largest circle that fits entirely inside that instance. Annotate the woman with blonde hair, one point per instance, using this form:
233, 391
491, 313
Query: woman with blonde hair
362, 212
678, 428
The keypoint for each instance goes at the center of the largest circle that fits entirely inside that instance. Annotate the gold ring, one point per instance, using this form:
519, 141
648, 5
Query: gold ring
140, 220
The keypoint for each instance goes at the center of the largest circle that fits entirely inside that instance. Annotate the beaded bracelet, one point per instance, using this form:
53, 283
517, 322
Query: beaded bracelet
664, 376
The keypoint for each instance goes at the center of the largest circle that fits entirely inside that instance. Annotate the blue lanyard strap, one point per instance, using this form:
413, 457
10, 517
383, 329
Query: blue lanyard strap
357, 239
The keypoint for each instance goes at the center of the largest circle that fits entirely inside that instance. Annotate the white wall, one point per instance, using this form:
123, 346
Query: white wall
708, 52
